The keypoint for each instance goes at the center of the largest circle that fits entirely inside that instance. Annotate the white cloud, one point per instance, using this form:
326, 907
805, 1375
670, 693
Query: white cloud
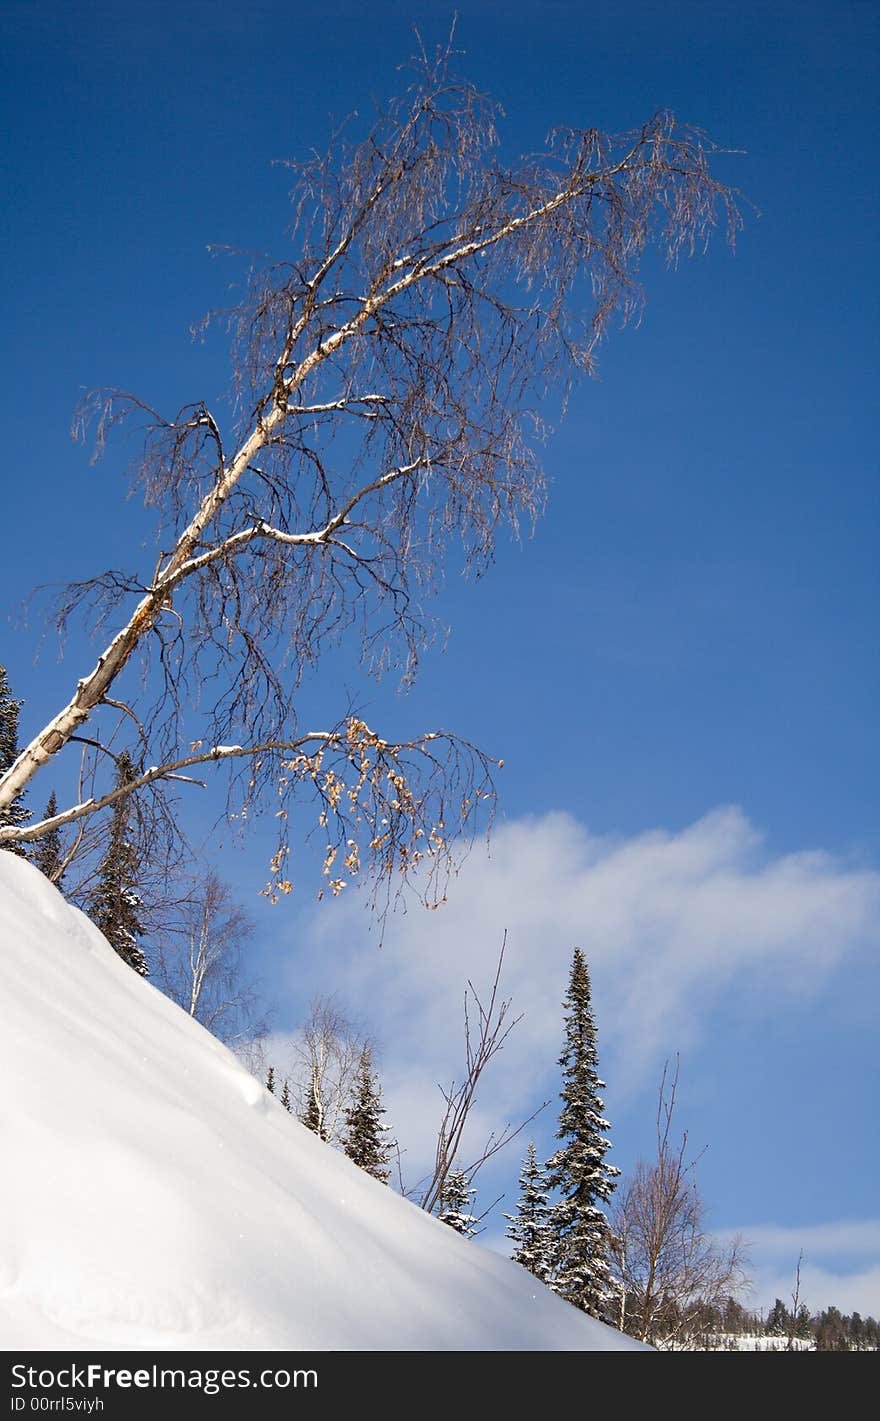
822, 1288
841, 1264
844, 1239
670, 923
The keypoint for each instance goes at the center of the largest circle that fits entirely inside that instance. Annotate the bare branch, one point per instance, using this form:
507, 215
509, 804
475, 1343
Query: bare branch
388, 378
492, 1030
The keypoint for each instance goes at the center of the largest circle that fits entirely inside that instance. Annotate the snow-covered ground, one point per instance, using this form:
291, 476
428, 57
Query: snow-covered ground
153, 1194
755, 1342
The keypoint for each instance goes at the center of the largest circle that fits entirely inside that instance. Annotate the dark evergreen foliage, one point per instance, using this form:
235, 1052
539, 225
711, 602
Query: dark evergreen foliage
778, 1319
578, 1171
115, 904
285, 1096
530, 1226
270, 1080
734, 1327
16, 814
48, 852
365, 1140
833, 1331
453, 1206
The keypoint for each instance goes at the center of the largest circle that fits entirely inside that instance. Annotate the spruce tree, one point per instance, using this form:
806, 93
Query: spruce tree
530, 1226
778, 1320
270, 1080
581, 1264
115, 904
363, 1141
453, 1206
285, 1096
16, 814
48, 853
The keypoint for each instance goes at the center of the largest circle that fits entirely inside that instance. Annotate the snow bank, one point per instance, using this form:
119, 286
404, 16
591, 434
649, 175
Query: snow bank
153, 1194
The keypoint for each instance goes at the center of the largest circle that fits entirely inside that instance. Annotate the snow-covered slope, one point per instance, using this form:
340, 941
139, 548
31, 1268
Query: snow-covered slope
153, 1194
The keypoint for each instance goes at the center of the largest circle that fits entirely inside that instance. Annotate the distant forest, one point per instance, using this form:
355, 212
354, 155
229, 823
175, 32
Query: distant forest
735, 1328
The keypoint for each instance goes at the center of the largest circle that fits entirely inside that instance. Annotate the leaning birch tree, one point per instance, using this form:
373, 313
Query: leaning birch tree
389, 374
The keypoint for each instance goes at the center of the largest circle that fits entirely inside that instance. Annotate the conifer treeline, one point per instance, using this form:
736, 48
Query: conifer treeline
732, 1327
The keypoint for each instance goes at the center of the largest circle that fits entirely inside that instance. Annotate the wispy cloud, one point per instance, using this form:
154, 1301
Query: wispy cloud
671, 922
841, 1240
841, 1264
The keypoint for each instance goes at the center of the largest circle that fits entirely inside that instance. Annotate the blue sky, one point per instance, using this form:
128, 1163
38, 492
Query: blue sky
679, 669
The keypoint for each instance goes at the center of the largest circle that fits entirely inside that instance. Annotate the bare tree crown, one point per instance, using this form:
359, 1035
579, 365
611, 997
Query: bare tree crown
670, 1266
391, 378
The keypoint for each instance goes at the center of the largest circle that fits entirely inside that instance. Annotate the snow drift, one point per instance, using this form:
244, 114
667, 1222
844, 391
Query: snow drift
153, 1194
